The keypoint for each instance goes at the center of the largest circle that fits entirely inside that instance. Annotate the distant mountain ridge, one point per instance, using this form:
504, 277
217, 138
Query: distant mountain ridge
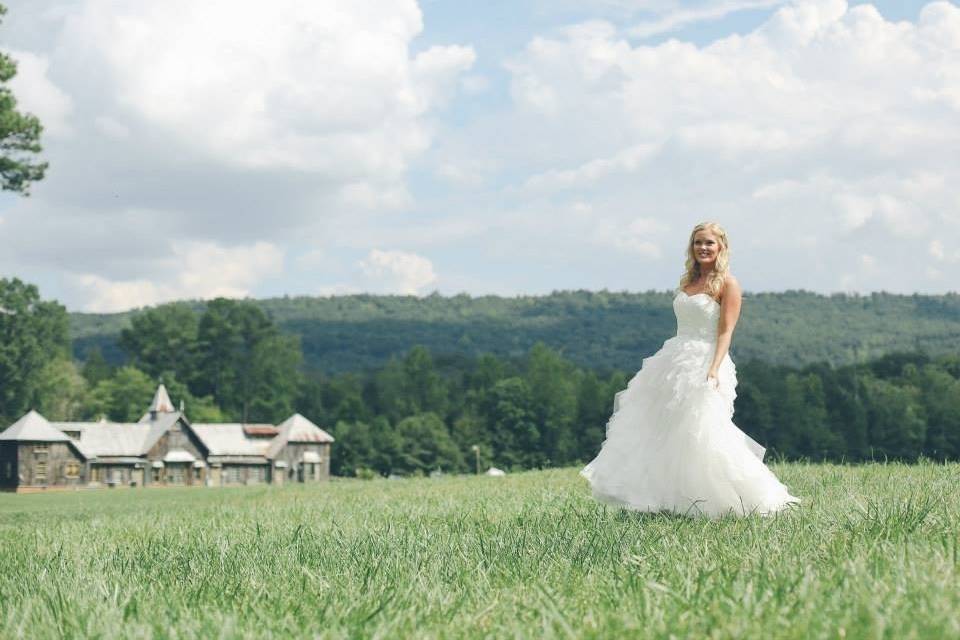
598, 329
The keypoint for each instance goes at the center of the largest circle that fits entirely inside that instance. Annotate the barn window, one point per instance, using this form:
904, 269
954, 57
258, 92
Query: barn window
41, 449
71, 469
41, 469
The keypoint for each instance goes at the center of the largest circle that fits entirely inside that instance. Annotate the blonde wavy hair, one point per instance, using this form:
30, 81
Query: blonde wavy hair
720, 269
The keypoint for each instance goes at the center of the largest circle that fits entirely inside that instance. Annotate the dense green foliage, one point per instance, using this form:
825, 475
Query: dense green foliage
33, 336
872, 552
421, 411
231, 356
596, 330
541, 410
19, 135
230, 363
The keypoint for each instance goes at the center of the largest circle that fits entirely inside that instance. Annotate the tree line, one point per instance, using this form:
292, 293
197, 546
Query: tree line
542, 410
422, 411
601, 330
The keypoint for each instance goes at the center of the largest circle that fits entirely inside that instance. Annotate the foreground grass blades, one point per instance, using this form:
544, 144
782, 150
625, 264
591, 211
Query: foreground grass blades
872, 552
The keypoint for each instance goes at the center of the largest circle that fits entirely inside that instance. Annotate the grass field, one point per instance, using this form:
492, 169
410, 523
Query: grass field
872, 553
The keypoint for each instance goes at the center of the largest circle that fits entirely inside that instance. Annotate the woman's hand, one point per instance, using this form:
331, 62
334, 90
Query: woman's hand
712, 379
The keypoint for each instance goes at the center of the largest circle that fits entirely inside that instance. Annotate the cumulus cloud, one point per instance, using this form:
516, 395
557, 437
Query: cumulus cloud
315, 86
37, 94
394, 271
827, 124
195, 270
218, 124
825, 134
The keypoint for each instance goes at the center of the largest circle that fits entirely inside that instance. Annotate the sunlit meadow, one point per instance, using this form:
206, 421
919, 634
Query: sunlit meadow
872, 552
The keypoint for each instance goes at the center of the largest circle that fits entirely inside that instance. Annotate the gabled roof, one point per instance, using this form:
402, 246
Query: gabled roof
33, 427
158, 427
229, 439
112, 439
296, 428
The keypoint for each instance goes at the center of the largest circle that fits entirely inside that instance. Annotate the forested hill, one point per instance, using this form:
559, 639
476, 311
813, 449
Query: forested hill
600, 330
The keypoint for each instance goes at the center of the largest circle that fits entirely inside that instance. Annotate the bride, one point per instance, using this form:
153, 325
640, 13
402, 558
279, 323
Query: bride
671, 443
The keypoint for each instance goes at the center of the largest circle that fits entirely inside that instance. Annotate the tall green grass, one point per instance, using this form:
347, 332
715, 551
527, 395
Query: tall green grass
871, 553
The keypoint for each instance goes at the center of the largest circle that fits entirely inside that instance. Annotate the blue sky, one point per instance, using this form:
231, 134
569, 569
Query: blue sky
204, 149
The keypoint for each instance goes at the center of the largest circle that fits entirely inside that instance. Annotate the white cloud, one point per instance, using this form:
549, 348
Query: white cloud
824, 134
827, 127
194, 270
319, 86
368, 195
215, 122
942, 254
586, 175
397, 272
638, 237
37, 94
679, 18
339, 289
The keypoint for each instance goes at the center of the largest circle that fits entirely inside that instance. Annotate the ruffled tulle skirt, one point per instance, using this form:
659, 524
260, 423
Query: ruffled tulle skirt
672, 445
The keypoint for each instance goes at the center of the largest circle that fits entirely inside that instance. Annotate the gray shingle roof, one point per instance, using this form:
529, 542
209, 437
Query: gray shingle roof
112, 439
131, 441
33, 427
296, 428
229, 439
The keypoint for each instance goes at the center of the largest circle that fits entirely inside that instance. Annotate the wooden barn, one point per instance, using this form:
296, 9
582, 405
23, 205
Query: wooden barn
162, 449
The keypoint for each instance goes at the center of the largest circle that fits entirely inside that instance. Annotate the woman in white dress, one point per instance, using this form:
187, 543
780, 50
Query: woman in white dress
671, 442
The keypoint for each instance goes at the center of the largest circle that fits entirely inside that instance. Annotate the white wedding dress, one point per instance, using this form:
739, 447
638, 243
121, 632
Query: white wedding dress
671, 442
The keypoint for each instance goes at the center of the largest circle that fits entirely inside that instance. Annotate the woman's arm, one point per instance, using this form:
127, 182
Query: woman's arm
729, 314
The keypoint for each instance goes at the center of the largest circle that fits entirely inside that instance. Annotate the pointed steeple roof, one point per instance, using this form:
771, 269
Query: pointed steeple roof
161, 401
33, 427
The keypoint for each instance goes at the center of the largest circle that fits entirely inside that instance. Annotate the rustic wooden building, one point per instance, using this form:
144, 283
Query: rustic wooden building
162, 449
302, 448
35, 455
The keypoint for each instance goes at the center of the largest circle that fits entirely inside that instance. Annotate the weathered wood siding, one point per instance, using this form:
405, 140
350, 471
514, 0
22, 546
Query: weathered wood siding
112, 474
179, 436
234, 474
48, 464
292, 454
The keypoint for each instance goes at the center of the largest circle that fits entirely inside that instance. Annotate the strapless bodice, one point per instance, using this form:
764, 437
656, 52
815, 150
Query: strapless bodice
697, 316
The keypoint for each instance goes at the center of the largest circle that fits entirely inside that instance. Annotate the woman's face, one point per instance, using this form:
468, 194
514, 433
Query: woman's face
706, 247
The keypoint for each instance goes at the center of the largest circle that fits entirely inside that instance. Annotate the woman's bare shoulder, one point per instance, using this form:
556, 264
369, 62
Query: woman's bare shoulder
730, 286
